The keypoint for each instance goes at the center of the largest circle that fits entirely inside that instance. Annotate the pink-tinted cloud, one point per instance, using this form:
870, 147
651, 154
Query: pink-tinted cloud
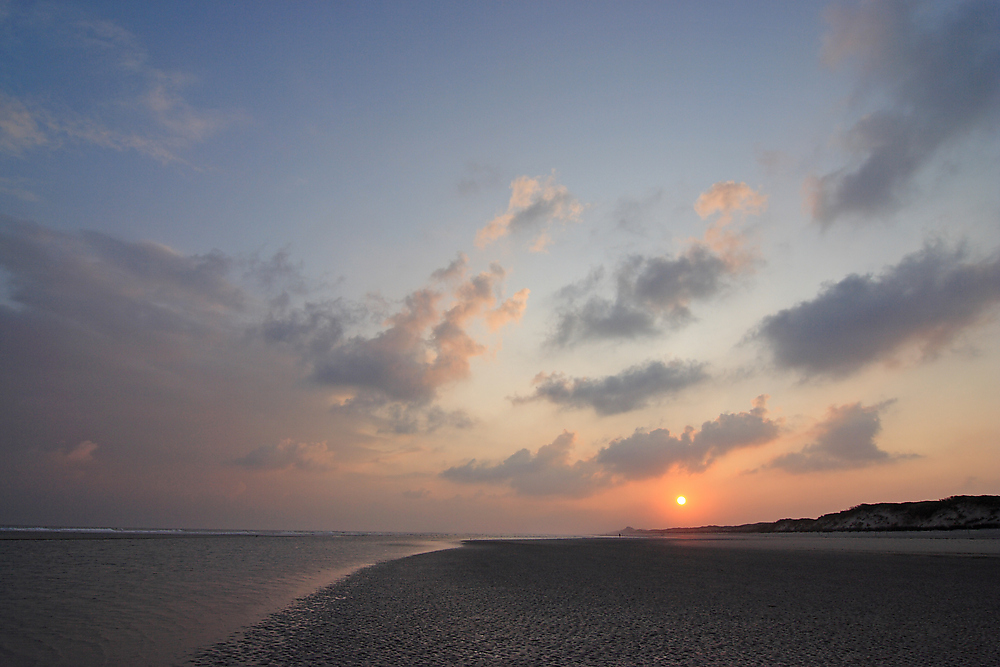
728, 198
534, 205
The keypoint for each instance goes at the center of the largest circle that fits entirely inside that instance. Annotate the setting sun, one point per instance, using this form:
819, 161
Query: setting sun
681, 500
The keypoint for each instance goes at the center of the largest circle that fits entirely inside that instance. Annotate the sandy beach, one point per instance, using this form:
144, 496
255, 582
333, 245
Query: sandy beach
639, 602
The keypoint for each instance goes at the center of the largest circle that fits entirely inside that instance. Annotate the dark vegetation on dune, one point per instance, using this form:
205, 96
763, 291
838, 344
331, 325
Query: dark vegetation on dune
954, 513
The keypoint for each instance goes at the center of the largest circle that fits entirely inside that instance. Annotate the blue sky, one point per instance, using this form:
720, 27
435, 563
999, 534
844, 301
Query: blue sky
479, 266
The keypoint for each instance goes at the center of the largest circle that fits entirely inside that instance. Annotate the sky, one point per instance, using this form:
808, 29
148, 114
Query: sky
495, 267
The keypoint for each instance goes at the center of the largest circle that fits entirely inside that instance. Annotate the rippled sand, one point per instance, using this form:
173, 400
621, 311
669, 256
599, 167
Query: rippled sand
640, 602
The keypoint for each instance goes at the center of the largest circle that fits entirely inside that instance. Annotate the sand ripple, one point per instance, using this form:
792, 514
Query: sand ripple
639, 602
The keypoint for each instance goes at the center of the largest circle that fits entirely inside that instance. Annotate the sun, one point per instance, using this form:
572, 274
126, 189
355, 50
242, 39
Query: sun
681, 500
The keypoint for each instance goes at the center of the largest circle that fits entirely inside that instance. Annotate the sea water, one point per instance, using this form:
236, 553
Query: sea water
79, 598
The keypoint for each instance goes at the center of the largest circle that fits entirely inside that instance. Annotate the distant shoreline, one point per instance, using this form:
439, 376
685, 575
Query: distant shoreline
953, 513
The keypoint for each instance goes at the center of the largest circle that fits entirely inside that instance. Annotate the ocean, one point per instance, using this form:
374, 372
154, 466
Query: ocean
111, 597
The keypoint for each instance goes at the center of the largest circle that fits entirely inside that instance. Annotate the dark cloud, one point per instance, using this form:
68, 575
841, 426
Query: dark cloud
646, 454
927, 299
938, 69
845, 439
640, 456
547, 472
651, 294
631, 389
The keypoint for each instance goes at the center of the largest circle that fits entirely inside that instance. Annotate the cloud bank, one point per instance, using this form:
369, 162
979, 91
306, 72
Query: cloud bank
643, 455
160, 356
927, 299
632, 389
936, 68
546, 472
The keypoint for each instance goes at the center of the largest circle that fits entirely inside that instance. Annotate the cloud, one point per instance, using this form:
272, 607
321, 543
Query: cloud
631, 389
927, 299
642, 455
728, 198
17, 187
82, 453
534, 205
936, 71
131, 345
21, 128
144, 111
148, 351
425, 345
401, 418
289, 454
844, 440
133, 370
646, 454
105, 286
653, 294
547, 472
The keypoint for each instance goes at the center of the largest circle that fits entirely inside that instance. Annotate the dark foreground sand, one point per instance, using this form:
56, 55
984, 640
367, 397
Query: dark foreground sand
639, 602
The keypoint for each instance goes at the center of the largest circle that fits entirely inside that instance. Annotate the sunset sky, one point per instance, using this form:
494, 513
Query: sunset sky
495, 267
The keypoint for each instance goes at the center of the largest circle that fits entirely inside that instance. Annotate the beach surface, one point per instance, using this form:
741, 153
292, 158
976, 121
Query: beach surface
640, 602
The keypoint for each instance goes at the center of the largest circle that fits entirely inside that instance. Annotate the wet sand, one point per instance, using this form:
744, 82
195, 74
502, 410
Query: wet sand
639, 602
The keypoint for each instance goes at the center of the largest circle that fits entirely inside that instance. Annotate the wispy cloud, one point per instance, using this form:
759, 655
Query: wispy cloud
632, 389
936, 70
146, 113
535, 203
926, 300
844, 440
